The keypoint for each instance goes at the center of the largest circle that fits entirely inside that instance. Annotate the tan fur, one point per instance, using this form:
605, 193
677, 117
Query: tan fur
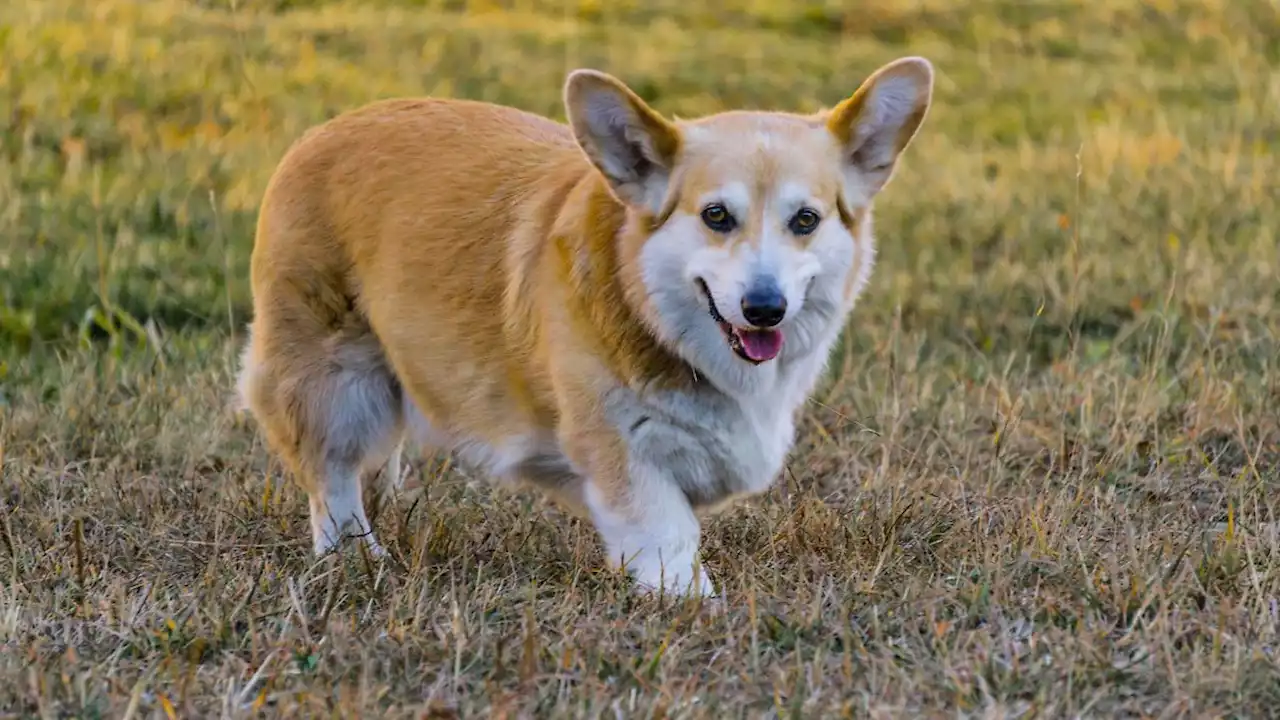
473, 262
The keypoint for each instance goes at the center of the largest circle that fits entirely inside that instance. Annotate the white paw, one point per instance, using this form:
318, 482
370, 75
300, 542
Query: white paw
375, 549
324, 545
676, 579
328, 537
338, 517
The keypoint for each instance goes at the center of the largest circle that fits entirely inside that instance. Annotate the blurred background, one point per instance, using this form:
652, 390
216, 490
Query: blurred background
138, 137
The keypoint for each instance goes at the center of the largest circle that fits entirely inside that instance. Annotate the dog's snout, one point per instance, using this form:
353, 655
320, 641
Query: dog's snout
764, 305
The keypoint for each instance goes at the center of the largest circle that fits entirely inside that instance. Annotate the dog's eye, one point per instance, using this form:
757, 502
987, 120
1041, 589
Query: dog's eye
717, 218
804, 222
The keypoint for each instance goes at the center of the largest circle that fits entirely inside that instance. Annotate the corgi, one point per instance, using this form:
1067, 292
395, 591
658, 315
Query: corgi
625, 311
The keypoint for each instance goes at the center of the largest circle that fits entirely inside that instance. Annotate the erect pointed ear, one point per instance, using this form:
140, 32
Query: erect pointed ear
877, 122
631, 144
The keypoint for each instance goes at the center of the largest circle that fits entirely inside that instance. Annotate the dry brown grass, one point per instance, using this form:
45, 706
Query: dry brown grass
1040, 480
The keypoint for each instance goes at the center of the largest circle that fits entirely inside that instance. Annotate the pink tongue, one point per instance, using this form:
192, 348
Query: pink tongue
760, 345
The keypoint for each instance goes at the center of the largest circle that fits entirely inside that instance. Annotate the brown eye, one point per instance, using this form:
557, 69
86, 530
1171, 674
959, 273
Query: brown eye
717, 218
804, 222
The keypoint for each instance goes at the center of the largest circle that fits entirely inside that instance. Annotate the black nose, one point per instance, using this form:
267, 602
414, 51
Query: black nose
764, 306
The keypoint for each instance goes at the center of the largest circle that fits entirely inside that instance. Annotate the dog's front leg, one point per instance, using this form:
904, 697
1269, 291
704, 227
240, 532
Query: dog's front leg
647, 526
636, 470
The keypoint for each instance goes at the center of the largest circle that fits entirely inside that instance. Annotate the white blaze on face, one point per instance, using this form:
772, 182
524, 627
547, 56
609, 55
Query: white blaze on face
724, 266
792, 259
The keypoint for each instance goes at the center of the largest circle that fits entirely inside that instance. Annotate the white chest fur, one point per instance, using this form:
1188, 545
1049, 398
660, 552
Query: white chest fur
715, 446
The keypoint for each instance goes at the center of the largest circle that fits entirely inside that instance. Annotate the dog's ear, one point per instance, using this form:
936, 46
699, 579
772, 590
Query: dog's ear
876, 123
630, 143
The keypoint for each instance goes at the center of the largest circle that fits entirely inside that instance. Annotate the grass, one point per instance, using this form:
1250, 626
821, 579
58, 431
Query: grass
1040, 480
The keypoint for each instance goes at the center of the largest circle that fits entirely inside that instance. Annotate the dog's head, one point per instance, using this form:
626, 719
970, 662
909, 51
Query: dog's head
749, 230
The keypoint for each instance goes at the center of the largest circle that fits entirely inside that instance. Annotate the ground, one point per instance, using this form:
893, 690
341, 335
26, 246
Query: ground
1040, 479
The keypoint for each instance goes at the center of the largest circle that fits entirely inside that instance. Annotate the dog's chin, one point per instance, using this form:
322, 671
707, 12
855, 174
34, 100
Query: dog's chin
754, 345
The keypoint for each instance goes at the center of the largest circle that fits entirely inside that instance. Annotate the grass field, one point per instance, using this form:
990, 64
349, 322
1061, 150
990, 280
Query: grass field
1040, 481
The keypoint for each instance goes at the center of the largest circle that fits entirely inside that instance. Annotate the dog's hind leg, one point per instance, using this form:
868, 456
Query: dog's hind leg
331, 408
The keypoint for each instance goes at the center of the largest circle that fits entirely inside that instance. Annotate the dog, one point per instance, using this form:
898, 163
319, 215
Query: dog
625, 311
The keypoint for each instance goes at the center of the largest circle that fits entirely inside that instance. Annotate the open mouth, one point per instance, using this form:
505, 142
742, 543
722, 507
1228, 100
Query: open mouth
755, 345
